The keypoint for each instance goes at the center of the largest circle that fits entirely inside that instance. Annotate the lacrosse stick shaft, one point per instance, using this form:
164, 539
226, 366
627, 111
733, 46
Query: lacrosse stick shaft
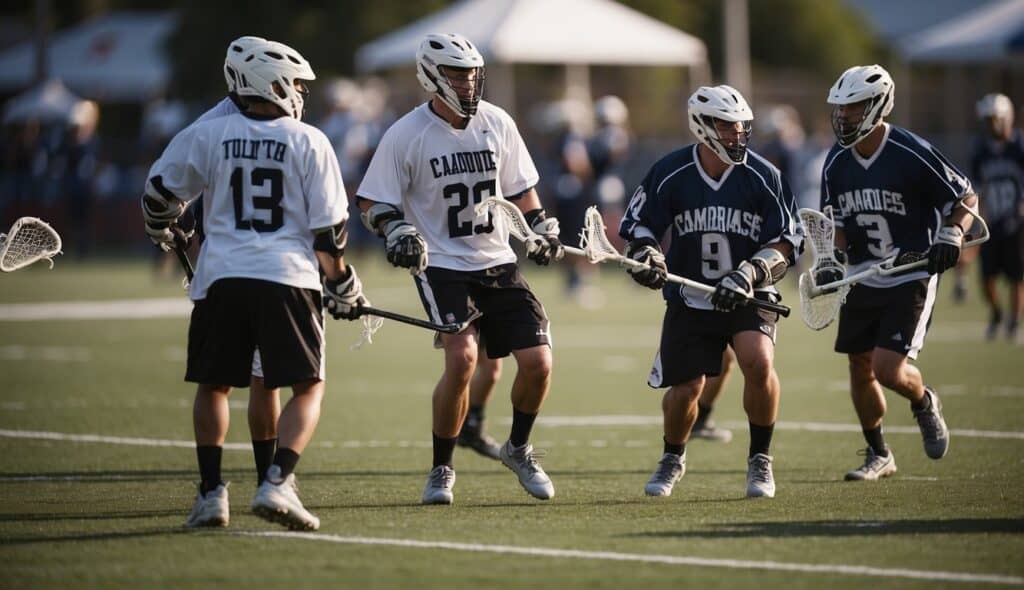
180, 250
390, 315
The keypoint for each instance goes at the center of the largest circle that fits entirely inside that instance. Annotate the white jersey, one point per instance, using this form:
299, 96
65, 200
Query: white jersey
437, 173
268, 183
225, 107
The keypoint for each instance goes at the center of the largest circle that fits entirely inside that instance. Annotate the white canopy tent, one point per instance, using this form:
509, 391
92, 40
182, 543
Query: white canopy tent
117, 57
575, 33
987, 35
48, 102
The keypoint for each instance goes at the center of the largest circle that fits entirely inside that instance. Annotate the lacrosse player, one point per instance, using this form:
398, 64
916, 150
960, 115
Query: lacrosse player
264, 404
890, 192
275, 210
997, 165
432, 166
481, 386
732, 219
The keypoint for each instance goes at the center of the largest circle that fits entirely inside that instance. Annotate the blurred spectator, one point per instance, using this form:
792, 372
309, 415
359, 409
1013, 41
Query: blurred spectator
609, 150
78, 158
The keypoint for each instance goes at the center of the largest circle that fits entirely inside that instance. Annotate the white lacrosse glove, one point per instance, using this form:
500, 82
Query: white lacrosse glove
405, 246
159, 216
343, 297
547, 246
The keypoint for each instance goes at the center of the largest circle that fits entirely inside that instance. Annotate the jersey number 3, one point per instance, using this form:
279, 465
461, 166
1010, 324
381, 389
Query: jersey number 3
271, 202
460, 192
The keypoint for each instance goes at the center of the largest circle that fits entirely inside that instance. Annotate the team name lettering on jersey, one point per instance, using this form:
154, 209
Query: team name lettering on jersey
719, 219
462, 162
872, 199
250, 149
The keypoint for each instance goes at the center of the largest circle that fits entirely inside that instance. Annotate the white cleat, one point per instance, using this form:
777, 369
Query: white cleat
875, 466
279, 502
760, 480
210, 509
523, 462
670, 469
439, 486
709, 431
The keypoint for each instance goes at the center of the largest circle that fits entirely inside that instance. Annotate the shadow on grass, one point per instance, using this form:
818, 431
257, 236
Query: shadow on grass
847, 528
118, 515
111, 536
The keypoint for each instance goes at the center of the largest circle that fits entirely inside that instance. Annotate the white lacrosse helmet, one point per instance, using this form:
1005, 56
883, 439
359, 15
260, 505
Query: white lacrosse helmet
610, 110
269, 71
996, 105
726, 104
861, 83
449, 50
238, 49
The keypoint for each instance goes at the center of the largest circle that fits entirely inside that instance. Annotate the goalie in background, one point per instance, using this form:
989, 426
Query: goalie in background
890, 192
431, 168
733, 223
997, 166
258, 282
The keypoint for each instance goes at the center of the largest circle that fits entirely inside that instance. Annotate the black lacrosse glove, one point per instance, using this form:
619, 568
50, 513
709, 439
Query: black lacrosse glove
945, 250
546, 247
831, 273
343, 297
734, 289
405, 246
646, 251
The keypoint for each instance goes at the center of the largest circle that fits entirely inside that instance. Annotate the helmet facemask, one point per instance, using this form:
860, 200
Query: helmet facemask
848, 133
730, 151
451, 79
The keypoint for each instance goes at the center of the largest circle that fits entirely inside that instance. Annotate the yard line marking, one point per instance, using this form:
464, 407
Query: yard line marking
635, 420
662, 559
117, 440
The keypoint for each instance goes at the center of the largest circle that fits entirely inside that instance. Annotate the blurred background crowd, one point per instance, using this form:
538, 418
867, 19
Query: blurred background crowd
93, 90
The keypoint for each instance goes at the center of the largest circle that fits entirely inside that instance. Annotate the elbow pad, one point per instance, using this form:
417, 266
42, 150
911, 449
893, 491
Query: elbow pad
378, 216
769, 267
331, 240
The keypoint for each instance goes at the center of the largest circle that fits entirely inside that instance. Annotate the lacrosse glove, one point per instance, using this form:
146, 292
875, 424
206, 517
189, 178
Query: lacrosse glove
343, 297
405, 246
830, 273
547, 246
734, 288
160, 216
646, 251
945, 251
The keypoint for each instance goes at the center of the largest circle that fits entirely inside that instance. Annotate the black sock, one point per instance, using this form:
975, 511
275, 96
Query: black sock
209, 466
444, 448
760, 438
286, 459
876, 441
522, 424
703, 412
923, 404
673, 448
474, 418
263, 452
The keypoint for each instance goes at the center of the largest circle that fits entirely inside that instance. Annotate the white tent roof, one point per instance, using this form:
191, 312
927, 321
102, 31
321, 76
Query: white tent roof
544, 31
50, 101
118, 56
984, 35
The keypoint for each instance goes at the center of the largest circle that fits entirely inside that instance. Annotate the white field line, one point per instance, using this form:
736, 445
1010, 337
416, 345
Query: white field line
740, 564
634, 420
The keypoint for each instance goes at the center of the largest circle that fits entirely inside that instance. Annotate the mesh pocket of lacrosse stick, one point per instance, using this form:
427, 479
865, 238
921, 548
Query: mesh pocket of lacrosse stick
593, 239
29, 240
818, 311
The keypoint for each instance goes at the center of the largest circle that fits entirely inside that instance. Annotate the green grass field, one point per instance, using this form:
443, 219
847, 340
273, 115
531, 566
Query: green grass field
108, 512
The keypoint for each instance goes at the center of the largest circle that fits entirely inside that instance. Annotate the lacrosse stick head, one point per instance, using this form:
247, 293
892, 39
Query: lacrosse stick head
30, 240
818, 308
594, 238
501, 209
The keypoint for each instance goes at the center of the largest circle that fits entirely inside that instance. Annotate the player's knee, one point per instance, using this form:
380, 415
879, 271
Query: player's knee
757, 370
887, 371
213, 390
489, 369
460, 361
685, 393
861, 370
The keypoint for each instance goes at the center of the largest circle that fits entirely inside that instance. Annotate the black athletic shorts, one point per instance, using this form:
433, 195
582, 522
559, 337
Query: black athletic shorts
1004, 255
513, 318
893, 318
239, 315
693, 340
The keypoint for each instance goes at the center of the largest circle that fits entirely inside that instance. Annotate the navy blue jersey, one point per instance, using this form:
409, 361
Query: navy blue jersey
998, 172
715, 224
893, 202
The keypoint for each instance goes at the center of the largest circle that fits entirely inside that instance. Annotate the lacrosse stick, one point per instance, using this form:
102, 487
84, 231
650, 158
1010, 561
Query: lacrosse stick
819, 304
29, 240
452, 328
180, 250
597, 248
517, 225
